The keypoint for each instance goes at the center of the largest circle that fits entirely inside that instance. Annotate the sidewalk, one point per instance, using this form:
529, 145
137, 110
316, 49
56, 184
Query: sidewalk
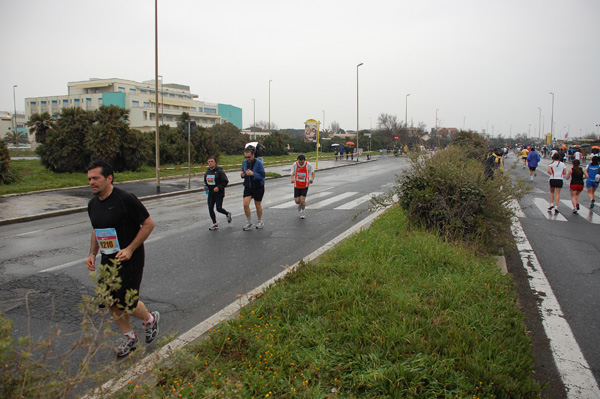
38, 205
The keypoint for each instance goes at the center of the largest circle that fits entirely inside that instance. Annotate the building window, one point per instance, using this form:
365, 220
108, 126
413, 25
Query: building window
171, 95
204, 120
65, 103
167, 106
99, 101
121, 89
135, 104
199, 109
142, 91
146, 104
175, 106
169, 118
210, 110
132, 91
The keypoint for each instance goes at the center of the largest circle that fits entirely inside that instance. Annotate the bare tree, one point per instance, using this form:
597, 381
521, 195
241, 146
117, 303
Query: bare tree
334, 128
264, 125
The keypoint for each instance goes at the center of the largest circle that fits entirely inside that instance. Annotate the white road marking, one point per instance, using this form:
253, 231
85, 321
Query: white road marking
358, 201
292, 204
331, 200
543, 205
572, 366
586, 213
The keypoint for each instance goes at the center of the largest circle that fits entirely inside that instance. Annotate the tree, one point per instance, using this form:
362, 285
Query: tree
16, 138
103, 140
264, 125
334, 128
389, 127
65, 149
40, 124
228, 138
6, 174
275, 144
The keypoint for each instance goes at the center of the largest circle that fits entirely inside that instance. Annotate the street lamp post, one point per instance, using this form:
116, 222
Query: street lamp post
464, 119
156, 141
552, 119
437, 135
406, 111
323, 119
270, 105
540, 124
254, 123
15, 115
357, 110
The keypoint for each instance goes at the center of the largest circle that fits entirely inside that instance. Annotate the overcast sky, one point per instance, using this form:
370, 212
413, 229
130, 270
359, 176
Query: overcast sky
483, 64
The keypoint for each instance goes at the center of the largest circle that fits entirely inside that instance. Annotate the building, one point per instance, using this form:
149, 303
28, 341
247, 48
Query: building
140, 100
7, 120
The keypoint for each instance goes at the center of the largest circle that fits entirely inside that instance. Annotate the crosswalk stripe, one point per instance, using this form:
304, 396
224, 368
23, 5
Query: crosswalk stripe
584, 212
358, 201
331, 200
292, 204
542, 205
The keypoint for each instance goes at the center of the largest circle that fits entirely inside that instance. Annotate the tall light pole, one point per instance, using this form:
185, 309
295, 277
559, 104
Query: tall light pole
552, 119
357, 110
406, 110
162, 99
254, 108
323, 119
270, 105
436, 119
540, 124
464, 119
15, 114
156, 142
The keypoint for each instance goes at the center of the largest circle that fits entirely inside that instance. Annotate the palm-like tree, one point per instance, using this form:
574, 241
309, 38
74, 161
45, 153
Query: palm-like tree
15, 137
40, 124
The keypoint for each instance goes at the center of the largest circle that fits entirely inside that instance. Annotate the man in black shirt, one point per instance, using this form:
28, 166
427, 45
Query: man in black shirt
121, 225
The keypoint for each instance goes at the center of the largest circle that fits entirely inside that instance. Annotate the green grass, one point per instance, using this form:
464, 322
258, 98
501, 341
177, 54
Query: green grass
35, 177
389, 313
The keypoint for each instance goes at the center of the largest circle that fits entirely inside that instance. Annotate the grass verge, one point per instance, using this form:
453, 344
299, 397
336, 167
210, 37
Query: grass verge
392, 312
34, 177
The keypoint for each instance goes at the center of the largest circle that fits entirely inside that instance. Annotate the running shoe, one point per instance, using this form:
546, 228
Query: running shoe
260, 225
578, 207
550, 208
228, 217
592, 203
556, 210
125, 344
214, 226
247, 226
574, 210
152, 328
302, 216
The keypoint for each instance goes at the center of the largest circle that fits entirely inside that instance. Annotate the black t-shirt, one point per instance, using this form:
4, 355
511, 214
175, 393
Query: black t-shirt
125, 213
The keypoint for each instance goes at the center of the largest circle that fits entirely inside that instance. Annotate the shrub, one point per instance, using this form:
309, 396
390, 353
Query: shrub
7, 176
449, 194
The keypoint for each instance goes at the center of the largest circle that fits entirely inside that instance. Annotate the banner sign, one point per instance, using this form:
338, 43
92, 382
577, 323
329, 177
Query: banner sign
311, 128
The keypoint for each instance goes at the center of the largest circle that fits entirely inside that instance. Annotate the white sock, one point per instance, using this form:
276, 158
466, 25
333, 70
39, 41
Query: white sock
131, 334
150, 320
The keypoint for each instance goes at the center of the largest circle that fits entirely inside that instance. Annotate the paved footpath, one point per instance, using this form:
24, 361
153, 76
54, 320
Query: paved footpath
33, 206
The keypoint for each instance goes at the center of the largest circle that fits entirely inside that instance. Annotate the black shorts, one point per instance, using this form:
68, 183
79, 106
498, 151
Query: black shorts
300, 192
557, 183
256, 193
532, 168
131, 273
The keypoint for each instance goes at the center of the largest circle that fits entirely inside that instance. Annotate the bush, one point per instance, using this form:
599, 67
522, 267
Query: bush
7, 176
449, 194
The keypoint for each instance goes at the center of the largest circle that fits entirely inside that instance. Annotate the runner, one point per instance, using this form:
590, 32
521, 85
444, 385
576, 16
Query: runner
556, 170
215, 181
253, 173
121, 225
524, 154
593, 178
533, 159
576, 174
302, 176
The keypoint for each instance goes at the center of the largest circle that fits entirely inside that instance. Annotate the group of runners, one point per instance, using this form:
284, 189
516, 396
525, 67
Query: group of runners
121, 224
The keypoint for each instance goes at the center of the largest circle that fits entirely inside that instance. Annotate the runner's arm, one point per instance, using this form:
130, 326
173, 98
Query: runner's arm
142, 235
90, 261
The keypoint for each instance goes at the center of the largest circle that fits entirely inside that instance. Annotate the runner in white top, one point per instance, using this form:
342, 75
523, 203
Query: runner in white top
556, 170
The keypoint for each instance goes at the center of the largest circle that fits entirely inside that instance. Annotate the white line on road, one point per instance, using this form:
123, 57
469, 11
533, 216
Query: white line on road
572, 366
144, 365
542, 205
331, 200
584, 212
354, 203
291, 203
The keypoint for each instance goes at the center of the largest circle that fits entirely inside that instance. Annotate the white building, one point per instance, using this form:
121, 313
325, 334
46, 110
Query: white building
140, 100
7, 122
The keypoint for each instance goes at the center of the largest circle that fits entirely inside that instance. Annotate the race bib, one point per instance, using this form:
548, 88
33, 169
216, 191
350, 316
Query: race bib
210, 180
108, 241
301, 177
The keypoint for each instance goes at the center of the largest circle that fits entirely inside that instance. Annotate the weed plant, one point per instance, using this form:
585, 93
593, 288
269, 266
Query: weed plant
31, 369
450, 194
390, 313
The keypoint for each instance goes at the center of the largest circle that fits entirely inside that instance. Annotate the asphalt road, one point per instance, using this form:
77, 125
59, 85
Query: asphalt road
191, 272
568, 250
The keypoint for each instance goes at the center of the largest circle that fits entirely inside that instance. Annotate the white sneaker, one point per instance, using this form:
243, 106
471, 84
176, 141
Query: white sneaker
260, 225
214, 226
302, 216
247, 226
299, 207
